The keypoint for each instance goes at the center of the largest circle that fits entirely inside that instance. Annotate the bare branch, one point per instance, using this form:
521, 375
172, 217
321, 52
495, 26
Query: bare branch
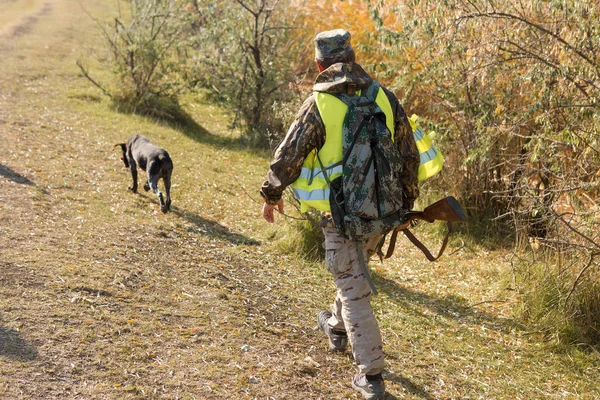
576, 282
87, 75
539, 27
241, 3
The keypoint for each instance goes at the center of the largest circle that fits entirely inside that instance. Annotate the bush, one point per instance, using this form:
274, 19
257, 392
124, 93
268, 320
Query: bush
248, 55
148, 58
518, 113
303, 235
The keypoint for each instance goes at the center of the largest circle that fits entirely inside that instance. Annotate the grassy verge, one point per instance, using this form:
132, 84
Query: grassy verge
102, 296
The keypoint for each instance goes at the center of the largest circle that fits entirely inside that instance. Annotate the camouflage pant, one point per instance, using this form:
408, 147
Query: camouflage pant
352, 311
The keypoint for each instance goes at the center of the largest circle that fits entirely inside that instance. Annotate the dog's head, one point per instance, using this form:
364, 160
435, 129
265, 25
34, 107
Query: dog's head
124, 154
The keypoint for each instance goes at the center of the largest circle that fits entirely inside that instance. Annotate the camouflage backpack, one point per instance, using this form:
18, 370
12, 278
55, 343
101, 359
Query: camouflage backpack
366, 200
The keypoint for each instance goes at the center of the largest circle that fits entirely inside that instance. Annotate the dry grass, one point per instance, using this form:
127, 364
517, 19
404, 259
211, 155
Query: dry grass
104, 297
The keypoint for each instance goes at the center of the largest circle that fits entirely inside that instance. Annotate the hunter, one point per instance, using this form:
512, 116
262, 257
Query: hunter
316, 133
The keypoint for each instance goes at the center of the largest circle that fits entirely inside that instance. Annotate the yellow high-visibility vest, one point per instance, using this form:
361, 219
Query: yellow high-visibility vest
311, 188
431, 160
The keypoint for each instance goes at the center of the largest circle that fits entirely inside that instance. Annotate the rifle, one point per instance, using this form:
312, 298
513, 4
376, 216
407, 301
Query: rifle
447, 209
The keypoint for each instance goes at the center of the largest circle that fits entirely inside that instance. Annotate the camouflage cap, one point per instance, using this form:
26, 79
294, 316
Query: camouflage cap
334, 46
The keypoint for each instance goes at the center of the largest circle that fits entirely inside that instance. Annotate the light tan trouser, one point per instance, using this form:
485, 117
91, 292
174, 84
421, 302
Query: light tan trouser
352, 311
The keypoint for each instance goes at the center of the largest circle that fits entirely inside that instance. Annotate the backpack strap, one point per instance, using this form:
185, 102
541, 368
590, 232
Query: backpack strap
363, 265
418, 243
372, 91
324, 170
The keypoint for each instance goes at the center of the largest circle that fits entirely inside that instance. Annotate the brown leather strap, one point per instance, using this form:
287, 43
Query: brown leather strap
418, 243
392, 244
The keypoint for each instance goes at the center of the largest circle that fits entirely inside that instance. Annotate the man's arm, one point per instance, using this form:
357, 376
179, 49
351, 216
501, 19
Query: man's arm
306, 133
405, 141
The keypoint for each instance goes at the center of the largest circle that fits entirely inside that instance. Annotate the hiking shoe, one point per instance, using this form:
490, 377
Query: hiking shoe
370, 386
338, 340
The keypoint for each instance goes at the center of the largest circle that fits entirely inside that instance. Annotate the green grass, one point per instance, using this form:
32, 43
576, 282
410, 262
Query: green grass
103, 296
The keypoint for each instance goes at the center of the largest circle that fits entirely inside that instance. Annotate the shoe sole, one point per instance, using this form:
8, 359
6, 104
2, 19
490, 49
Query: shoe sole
368, 396
332, 346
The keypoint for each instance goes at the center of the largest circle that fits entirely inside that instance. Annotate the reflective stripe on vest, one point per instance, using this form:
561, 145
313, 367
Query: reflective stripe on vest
431, 159
311, 188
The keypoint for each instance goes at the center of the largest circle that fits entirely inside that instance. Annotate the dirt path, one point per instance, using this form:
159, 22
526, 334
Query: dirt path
104, 297
19, 16
101, 295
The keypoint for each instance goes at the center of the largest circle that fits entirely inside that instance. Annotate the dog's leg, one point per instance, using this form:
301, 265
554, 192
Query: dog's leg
153, 172
147, 186
167, 182
133, 168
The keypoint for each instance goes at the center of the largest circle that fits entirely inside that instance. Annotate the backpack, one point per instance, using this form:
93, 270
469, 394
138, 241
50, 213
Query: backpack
366, 200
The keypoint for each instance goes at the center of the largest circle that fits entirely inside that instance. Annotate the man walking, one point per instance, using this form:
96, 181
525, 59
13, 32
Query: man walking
315, 139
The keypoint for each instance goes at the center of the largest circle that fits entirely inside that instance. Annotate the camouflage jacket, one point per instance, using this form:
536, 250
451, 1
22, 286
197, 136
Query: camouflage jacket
307, 132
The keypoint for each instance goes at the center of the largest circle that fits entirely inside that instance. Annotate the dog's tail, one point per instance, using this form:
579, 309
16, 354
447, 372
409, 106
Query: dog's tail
122, 145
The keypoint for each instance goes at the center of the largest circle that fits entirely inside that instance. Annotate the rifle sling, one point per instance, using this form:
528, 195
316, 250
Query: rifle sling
365, 269
418, 243
392, 244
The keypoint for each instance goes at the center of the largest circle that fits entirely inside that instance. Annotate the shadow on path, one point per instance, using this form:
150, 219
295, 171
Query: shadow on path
213, 229
183, 122
203, 226
8, 173
451, 306
13, 347
190, 128
408, 385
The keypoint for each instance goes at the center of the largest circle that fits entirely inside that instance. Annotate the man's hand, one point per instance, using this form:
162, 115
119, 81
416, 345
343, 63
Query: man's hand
267, 210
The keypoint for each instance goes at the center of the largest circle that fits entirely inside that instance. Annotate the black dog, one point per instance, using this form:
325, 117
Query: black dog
140, 152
